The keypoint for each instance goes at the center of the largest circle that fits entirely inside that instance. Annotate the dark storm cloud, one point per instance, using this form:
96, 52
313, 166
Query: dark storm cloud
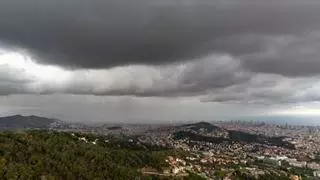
252, 51
103, 34
269, 89
290, 56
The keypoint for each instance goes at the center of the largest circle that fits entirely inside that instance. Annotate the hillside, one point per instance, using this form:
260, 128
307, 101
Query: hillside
207, 132
59, 155
21, 122
202, 126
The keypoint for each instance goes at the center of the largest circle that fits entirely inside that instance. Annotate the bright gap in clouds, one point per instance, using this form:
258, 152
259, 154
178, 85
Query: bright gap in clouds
300, 110
34, 71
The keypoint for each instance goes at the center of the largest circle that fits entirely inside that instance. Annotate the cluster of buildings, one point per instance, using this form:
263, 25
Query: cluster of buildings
256, 158
207, 158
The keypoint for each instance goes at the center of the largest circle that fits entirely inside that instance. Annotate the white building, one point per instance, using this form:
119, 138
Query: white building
316, 173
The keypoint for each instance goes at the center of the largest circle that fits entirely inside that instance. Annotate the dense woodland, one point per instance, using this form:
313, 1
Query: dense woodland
57, 155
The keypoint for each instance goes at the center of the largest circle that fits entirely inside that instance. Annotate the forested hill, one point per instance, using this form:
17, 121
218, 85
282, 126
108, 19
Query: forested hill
22, 122
59, 155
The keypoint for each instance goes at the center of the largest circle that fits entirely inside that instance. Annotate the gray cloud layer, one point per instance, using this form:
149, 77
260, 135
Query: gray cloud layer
12, 81
103, 34
288, 55
187, 79
252, 51
269, 90
212, 79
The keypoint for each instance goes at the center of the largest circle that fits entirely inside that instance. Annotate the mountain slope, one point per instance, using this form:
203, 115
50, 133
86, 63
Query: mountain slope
20, 122
206, 132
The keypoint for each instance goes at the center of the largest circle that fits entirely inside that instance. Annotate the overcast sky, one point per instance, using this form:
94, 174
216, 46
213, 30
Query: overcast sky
159, 60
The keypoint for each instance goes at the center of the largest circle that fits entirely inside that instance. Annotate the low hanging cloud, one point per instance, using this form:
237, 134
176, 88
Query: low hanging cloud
269, 89
190, 79
12, 81
215, 78
219, 79
104, 34
186, 79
